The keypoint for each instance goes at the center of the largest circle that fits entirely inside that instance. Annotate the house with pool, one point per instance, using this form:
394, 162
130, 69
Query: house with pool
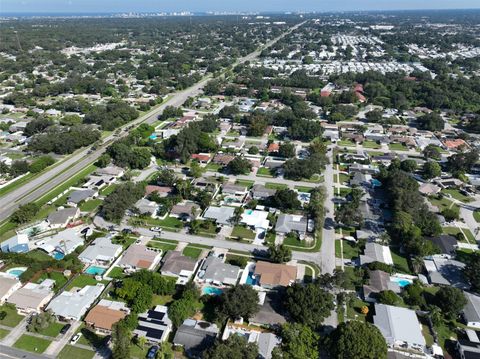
17, 244
62, 243
101, 252
269, 275
214, 271
138, 256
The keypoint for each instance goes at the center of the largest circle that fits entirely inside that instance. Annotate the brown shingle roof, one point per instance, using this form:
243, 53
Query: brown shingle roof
103, 317
274, 274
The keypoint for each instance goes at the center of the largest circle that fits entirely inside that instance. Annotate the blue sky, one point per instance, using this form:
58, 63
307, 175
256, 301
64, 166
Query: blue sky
50, 6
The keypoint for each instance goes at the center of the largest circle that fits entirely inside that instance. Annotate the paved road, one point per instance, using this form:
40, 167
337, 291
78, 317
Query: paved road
12, 353
47, 181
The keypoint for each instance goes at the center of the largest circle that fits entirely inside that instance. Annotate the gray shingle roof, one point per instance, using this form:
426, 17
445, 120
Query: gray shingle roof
287, 223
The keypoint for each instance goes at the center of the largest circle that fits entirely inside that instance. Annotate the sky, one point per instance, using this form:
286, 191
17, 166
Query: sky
111, 6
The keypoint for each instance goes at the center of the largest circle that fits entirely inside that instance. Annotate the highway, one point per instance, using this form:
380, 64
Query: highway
54, 177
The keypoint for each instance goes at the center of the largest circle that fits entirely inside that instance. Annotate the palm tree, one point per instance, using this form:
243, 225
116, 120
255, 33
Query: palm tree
417, 264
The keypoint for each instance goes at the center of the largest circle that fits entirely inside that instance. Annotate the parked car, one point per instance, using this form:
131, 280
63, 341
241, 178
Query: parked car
156, 229
75, 338
152, 352
65, 328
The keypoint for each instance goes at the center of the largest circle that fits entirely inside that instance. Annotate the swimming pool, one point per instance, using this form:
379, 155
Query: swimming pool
58, 255
153, 137
212, 291
251, 280
17, 272
402, 282
249, 212
94, 270
376, 183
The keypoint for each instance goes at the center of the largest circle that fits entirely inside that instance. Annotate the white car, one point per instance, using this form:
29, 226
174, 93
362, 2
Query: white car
75, 338
156, 229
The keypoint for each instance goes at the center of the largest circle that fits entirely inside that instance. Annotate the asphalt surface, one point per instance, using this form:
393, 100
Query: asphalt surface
49, 180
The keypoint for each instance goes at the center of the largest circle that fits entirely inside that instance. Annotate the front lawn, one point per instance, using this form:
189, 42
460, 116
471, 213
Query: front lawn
242, 232
345, 143
71, 352
3, 333
295, 242
169, 222
272, 185
12, 318
343, 178
304, 189
91, 205
245, 183
163, 246
192, 252
350, 250
455, 193
32, 344
371, 144
476, 215
354, 311
455, 231
397, 147
52, 330
264, 172
107, 190
440, 203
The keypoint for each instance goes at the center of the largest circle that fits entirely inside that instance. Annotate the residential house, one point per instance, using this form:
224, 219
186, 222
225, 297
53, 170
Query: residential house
445, 271
8, 285
32, 297
378, 282
428, 189
146, 207
271, 311
17, 244
62, 217
235, 191
260, 192
73, 305
64, 242
287, 223
223, 159
375, 252
114, 171
105, 314
206, 184
400, 327
138, 256
175, 264
471, 311
265, 341
214, 270
154, 325
255, 219
101, 252
185, 211
273, 147
469, 348
161, 191
271, 275
221, 215
455, 144
98, 182
195, 336
81, 195
446, 243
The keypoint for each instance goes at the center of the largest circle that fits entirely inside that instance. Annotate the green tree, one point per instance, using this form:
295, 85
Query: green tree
235, 346
356, 339
309, 304
389, 297
121, 340
286, 150
239, 301
450, 300
472, 271
239, 166
298, 342
25, 213
279, 253
432, 152
431, 170
285, 199
408, 165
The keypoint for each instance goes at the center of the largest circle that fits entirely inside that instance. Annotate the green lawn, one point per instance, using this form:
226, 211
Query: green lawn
116, 273
163, 246
107, 190
90, 338
91, 205
350, 251
52, 330
208, 228
81, 281
308, 276
354, 311
476, 215
71, 352
455, 193
304, 189
397, 147
345, 143
264, 172
32, 344
245, 183
343, 178
167, 223
371, 144
275, 185
13, 318
292, 241
400, 262
192, 252
454, 231
242, 232
441, 203
3, 333
213, 167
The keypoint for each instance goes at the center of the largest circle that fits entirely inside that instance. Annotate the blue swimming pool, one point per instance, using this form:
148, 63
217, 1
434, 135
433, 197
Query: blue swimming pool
153, 137
58, 255
94, 270
17, 272
376, 183
251, 280
401, 281
212, 291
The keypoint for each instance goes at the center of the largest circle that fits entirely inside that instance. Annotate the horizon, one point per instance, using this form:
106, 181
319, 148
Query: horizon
52, 7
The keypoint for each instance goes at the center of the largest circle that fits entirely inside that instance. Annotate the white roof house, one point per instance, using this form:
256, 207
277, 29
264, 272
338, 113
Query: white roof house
399, 326
73, 305
375, 252
255, 219
65, 242
471, 311
32, 297
101, 251
8, 285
